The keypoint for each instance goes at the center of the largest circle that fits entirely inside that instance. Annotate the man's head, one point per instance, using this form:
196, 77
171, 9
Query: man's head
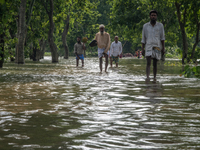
116, 39
101, 28
153, 16
79, 39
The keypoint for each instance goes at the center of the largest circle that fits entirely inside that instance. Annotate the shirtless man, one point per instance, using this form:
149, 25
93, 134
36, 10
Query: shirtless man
103, 44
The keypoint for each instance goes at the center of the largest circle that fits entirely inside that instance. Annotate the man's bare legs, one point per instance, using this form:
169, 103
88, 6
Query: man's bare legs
82, 62
101, 61
106, 64
116, 65
155, 67
111, 62
77, 62
148, 66
100, 64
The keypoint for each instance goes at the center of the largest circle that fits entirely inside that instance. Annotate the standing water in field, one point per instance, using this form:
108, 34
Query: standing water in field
59, 106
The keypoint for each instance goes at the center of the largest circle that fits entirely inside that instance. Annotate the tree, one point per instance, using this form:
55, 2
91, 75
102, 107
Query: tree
37, 33
22, 24
195, 18
52, 45
182, 23
128, 17
7, 22
21, 29
64, 34
73, 19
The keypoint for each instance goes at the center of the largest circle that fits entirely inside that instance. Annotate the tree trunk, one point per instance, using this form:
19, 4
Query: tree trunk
197, 33
21, 33
1, 50
52, 45
64, 34
42, 48
36, 54
182, 27
196, 42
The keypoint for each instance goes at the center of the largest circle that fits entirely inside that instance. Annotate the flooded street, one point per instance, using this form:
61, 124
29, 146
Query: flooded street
59, 106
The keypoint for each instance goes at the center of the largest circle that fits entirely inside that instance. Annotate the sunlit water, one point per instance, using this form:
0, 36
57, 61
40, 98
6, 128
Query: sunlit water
59, 106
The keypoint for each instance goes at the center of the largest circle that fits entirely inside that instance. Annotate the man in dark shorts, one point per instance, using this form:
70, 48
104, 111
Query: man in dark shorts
79, 48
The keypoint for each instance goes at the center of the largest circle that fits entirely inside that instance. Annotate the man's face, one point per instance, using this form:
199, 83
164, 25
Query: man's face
116, 39
78, 40
101, 29
153, 16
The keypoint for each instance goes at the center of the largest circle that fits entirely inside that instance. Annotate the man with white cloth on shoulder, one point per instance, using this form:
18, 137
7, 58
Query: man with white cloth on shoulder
103, 43
153, 40
115, 51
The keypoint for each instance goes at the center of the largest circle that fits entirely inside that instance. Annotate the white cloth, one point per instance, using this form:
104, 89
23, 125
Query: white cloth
115, 48
100, 52
156, 54
152, 37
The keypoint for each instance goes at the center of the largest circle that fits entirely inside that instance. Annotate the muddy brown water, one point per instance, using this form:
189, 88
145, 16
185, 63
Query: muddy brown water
59, 106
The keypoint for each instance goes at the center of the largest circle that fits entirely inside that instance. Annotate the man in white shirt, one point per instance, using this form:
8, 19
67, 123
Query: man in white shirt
153, 39
115, 51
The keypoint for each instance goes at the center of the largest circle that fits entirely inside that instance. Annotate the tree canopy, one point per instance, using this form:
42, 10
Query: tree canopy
53, 25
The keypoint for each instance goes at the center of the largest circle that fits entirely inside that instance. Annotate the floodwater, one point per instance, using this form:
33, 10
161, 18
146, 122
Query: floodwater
59, 106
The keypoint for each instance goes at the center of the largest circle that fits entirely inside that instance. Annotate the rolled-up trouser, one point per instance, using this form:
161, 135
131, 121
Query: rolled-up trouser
115, 59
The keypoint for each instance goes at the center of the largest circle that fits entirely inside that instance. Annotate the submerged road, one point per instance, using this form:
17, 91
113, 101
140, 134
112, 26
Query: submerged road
59, 106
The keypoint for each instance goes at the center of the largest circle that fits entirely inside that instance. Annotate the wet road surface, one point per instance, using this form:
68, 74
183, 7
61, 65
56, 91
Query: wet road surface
59, 106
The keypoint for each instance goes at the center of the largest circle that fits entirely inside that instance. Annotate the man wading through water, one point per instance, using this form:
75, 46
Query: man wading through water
79, 48
115, 51
153, 39
103, 43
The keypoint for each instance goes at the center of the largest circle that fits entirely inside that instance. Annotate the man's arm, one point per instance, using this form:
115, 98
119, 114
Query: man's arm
75, 51
143, 51
108, 45
96, 36
111, 49
162, 38
163, 47
143, 41
84, 46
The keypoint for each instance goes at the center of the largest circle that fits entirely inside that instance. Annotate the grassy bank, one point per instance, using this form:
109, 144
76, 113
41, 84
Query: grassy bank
47, 54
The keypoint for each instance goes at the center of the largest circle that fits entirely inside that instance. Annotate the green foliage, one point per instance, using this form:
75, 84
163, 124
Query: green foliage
191, 72
8, 10
47, 54
2, 1
122, 18
172, 52
128, 18
176, 63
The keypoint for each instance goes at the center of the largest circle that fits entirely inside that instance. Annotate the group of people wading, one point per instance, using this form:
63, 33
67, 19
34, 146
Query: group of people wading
153, 45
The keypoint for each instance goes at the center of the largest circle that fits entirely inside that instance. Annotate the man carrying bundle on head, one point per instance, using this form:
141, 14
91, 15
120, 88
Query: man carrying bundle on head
103, 43
115, 51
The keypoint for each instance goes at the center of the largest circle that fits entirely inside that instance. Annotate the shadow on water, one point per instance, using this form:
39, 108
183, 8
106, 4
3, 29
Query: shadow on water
59, 106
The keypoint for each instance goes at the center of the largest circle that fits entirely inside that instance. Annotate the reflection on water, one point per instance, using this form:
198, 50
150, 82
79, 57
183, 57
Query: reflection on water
59, 106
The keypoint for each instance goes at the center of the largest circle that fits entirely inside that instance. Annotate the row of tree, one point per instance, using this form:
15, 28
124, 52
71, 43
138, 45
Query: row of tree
28, 28
181, 20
